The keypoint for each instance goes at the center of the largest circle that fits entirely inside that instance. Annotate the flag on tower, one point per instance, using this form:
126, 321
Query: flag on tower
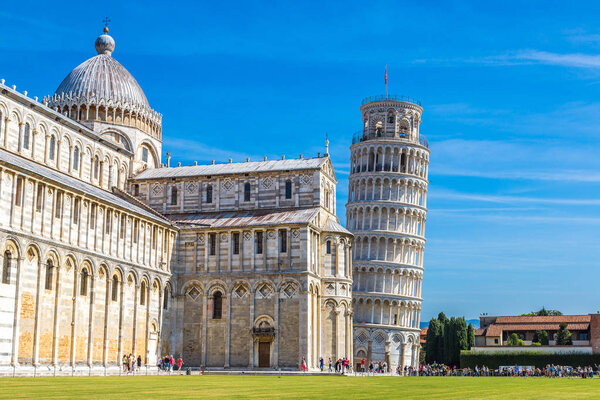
386, 74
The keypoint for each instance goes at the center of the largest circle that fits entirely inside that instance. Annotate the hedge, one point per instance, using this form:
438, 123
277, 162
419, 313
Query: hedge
468, 359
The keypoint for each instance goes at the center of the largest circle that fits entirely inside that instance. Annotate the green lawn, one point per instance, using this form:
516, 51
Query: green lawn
297, 387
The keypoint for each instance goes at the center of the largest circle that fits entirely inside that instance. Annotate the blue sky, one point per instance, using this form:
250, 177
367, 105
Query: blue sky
510, 93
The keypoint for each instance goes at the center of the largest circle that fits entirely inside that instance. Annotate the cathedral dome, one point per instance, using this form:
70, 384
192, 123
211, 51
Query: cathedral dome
102, 83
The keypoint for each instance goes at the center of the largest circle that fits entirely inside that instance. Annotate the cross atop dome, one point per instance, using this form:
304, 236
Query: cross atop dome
105, 44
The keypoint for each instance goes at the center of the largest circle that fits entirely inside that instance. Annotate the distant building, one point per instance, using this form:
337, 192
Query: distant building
495, 331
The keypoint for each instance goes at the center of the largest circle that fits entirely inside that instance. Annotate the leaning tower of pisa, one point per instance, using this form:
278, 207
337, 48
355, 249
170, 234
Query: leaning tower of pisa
386, 212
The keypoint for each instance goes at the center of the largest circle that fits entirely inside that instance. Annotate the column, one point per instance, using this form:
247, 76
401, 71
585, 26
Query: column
106, 318
92, 294
204, 328
251, 356
275, 359
36, 333
17, 315
136, 294
228, 325
76, 282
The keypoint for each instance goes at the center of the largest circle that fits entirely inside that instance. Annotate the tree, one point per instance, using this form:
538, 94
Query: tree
470, 336
440, 343
541, 337
563, 336
513, 340
542, 313
431, 345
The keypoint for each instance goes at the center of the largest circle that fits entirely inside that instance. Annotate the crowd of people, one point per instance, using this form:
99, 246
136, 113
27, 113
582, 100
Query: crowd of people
131, 364
550, 371
169, 364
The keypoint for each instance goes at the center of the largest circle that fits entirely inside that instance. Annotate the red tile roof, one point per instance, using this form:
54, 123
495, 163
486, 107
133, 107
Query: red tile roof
532, 319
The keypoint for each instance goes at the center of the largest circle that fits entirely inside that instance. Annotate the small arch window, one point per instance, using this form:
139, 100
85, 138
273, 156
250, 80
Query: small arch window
49, 275
83, 289
288, 189
52, 148
143, 293
209, 193
96, 167
26, 133
246, 191
328, 246
174, 195
76, 158
136, 189
6, 264
115, 289
217, 305
166, 299
145, 154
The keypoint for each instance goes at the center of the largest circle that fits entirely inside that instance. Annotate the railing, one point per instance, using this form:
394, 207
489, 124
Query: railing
360, 136
390, 97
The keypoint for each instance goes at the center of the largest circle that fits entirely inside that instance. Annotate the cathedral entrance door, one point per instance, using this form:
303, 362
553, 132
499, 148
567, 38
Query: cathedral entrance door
264, 354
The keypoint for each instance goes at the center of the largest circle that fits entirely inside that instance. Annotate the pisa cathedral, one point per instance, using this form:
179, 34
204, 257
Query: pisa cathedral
106, 251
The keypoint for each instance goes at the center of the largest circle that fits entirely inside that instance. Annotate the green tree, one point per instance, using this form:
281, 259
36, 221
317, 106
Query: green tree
543, 313
462, 339
470, 336
563, 336
441, 343
513, 340
434, 332
541, 337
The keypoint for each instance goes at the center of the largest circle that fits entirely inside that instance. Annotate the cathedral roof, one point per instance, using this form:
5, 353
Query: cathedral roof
231, 219
77, 185
102, 80
234, 168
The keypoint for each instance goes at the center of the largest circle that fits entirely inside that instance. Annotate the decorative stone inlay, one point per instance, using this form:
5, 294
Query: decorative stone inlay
201, 238
191, 187
227, 184
330, 288
306, 179
193, 293
247, 236
267, 183
270, 234
289, 290
240, 292
223, 237
396, 338
295, 233
157, 189
380, 338
265, 291
363, 337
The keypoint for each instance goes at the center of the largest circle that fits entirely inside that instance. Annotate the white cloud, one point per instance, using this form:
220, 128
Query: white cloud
501, 199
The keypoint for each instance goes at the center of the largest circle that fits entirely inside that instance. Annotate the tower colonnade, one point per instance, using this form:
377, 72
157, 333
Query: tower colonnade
386, 212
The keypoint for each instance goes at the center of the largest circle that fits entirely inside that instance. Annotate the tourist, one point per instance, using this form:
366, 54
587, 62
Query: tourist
362, 366
139, 362
321, 363
329, 364
303, 367
179, 363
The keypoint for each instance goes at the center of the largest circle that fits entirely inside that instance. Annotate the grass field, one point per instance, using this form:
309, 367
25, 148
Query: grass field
297, 387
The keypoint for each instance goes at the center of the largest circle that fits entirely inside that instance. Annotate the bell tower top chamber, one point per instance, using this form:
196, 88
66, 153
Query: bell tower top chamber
386, 212
390, 117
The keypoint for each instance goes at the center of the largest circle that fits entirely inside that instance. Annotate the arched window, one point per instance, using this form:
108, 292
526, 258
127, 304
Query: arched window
6, 267
76, 158
288, 189
246, 191
143, 290
115, 288
328, 246
52, 148
209, 193
83, 288
136, 189
166, 299
217, 305
391, 117
49, 274
26, 136
174, 195
145, 154
96, 167
403, 162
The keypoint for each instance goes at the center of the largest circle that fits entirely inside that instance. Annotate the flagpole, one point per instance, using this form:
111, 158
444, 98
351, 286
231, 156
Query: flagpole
386, 86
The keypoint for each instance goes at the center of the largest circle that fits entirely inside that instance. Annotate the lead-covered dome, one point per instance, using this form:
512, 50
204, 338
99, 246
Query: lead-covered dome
101, 85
